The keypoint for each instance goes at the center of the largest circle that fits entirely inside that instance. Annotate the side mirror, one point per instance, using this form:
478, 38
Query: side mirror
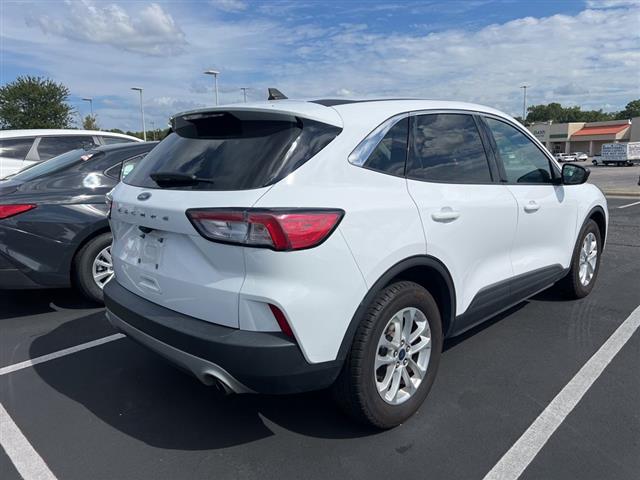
573, 174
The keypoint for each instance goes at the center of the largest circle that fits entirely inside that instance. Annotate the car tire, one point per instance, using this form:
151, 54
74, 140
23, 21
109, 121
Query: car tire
83, 266
579, 283
356, 389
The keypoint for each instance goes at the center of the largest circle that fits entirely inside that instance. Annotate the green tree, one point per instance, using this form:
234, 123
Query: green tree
559, 114
90, 123
34, 102
631, 110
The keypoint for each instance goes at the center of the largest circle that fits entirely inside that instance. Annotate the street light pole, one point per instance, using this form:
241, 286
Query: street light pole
244, 92
90, 100
524, 102
215, 74
144, 130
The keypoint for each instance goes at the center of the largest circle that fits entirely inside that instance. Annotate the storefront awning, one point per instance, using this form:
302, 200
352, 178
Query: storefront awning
604, 130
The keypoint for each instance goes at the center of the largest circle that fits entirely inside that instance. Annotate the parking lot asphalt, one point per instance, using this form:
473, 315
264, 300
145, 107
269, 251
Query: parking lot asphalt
615, 179
117, 411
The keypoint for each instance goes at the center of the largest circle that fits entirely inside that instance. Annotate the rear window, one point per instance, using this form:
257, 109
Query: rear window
50, 147
234, 150
55, 164
115, 140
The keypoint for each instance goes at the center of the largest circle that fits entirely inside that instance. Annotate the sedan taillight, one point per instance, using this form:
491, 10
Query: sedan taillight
7, 211
280, 230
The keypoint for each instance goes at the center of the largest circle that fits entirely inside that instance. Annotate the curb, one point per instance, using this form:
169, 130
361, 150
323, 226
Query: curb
624, 194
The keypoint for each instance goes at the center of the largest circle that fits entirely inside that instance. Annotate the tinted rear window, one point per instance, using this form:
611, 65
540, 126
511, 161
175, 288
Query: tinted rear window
234, 150
55, 164
50, 147
115, 140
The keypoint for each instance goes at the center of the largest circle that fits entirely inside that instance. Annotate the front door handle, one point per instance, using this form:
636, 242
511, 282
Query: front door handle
532, 206
446, 214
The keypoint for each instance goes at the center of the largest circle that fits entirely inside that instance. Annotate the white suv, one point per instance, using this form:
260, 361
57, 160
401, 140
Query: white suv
288, 246
22, 148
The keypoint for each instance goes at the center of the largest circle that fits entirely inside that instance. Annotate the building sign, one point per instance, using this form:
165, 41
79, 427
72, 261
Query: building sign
539, 131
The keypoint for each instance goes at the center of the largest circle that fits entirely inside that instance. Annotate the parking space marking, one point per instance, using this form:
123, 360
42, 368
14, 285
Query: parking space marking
59, 353
28, 463
629, 205
522, 453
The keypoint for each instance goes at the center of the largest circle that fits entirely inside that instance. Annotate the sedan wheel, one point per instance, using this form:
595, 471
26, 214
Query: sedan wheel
103, 267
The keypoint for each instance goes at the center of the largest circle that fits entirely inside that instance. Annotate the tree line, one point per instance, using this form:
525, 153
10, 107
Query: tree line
558, 114
35, 102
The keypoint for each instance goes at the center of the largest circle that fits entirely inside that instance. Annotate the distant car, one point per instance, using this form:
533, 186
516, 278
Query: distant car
54, 230
580, 156
565, 157
22, 148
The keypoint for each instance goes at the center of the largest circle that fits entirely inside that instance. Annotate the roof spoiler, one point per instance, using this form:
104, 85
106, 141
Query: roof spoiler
275, 94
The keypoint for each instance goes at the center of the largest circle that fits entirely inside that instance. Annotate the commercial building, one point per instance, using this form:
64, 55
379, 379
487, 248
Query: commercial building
585, 137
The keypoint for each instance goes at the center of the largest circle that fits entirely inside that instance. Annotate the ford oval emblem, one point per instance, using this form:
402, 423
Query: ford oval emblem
144, 196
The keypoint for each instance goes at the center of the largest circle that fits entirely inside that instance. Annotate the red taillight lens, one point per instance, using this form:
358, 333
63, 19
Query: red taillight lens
7, 211
282, 321
277, 229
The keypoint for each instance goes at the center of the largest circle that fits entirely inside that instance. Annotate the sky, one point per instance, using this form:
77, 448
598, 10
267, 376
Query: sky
576, 52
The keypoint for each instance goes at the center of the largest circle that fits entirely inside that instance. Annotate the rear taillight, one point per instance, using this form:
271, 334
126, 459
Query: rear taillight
281, 230
7, 211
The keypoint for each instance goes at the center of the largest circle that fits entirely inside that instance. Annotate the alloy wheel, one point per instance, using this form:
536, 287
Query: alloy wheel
102, 269
402, 356
588, 259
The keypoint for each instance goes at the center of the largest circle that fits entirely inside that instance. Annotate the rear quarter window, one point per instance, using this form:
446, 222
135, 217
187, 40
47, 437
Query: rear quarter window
238, 150
16, 148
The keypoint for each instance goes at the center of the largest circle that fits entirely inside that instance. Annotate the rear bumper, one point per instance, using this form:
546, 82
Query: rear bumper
244, 361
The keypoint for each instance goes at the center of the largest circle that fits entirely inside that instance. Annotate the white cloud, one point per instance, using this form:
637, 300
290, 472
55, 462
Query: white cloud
150, 31
230, 5
590, 59
611, 3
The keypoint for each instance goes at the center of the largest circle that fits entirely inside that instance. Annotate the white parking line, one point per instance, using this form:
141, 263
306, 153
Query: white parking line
520, 455
629, 205
29, 464
59, 353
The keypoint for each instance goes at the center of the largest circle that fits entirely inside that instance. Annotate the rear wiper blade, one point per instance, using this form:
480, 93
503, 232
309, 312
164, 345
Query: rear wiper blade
173, 179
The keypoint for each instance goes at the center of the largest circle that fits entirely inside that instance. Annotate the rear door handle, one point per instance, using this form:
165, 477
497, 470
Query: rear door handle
446, 214
532, 206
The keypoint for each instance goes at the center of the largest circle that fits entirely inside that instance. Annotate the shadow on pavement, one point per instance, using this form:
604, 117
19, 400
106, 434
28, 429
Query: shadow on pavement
141, 395
22, 303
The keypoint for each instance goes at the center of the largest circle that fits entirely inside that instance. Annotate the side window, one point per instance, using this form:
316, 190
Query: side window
522, 159
124, 168
53, 146
390, 154
446, 147
114, 140
15, 147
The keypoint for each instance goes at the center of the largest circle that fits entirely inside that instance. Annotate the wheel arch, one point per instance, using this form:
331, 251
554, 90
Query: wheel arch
98, 229
424, 270
597, 214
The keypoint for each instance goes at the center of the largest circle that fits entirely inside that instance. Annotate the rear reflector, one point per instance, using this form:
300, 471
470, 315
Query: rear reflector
280, 230
282, 321
7, 211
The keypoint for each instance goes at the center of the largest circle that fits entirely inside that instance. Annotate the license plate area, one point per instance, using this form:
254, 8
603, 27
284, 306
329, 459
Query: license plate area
151, 249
